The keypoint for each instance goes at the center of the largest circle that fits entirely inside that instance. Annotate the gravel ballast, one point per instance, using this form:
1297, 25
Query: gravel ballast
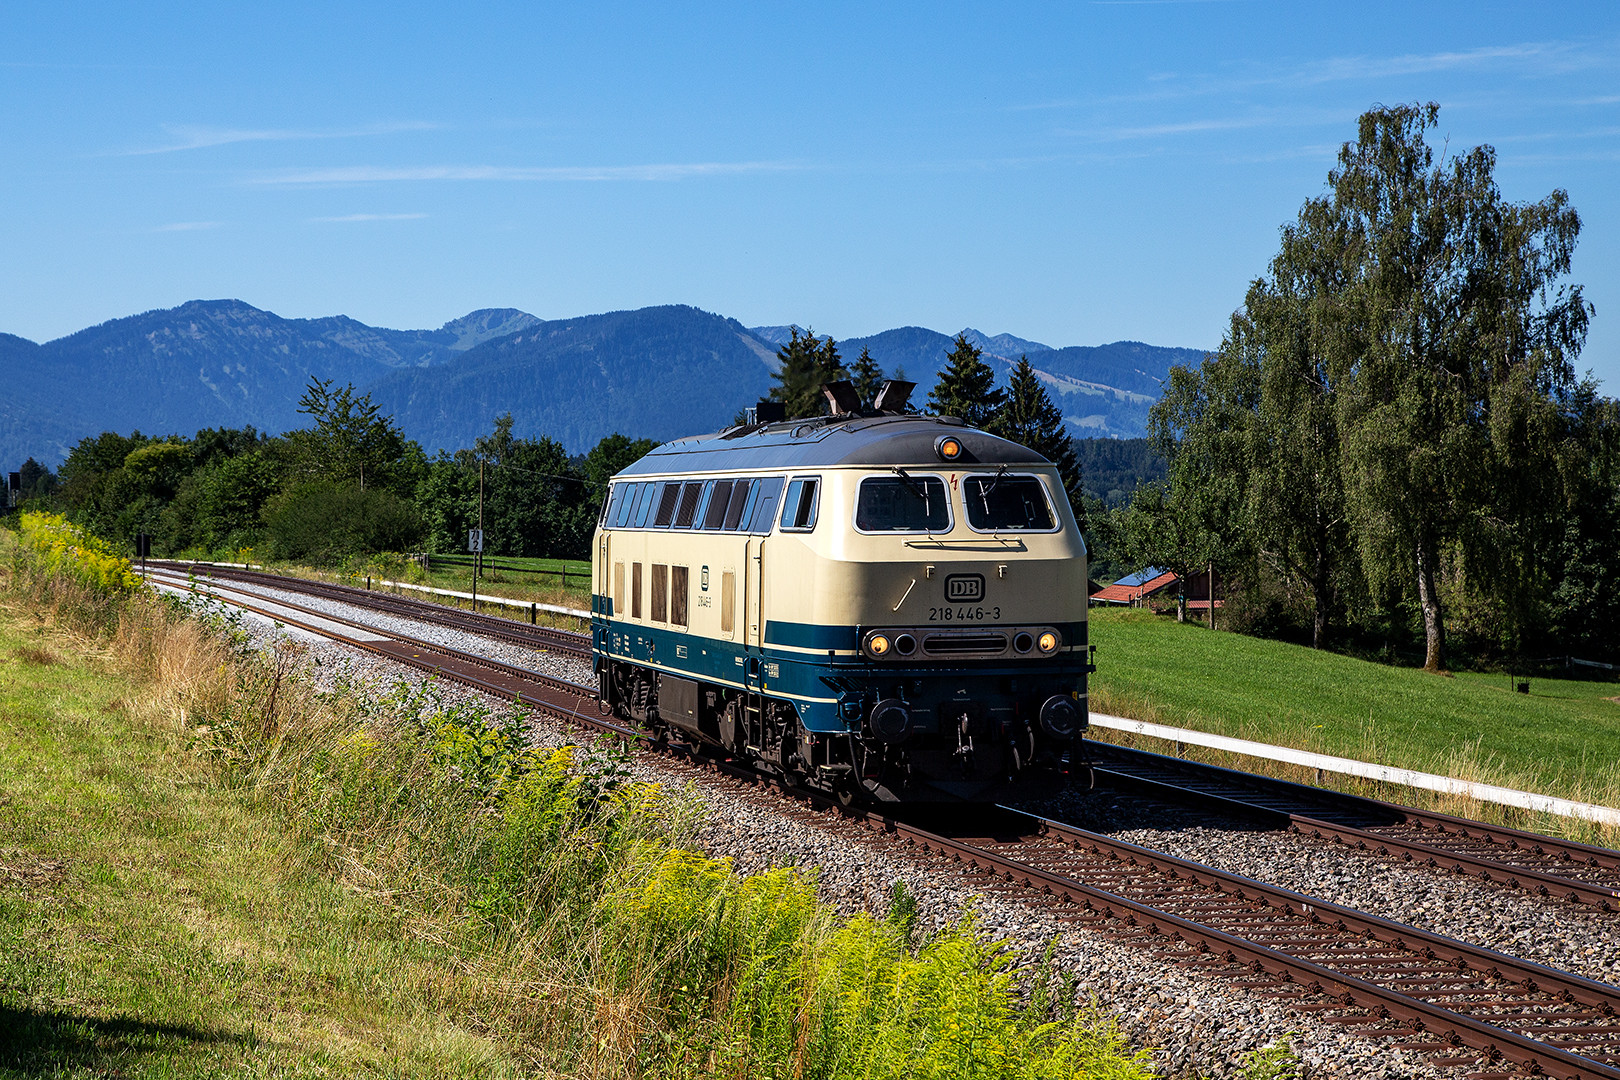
1198, 1024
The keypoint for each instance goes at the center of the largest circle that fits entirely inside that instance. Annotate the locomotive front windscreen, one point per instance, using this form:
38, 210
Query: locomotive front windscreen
902, 504
1007, 503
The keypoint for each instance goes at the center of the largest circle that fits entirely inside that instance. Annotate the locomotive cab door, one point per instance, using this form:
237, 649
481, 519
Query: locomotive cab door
752, 586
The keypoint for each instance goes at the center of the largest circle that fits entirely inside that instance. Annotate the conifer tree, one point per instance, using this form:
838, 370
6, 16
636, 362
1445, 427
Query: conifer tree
867, 377
807, 363
967, 387
1029, 417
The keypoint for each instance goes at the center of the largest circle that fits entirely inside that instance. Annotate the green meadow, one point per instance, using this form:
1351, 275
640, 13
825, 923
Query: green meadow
1563, 738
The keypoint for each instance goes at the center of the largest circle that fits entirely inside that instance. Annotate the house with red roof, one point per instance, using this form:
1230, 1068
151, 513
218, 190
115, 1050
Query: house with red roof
1144, 586
1132, 589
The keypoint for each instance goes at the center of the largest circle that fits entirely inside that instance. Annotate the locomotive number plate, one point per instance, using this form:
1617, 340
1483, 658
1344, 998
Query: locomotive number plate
963, 614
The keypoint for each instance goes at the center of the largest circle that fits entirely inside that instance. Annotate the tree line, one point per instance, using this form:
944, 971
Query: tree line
348, 484
1391, 443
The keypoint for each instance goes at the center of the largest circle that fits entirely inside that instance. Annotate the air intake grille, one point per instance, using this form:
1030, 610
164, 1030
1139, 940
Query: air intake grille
957, 644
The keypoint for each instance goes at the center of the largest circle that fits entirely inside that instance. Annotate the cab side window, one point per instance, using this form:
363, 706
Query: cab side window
800, 503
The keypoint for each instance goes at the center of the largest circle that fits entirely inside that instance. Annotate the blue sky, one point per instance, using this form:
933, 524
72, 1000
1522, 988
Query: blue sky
1073, 172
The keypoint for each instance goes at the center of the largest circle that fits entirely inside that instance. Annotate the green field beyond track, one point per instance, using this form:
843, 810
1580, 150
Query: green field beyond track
1563, 738
517, 579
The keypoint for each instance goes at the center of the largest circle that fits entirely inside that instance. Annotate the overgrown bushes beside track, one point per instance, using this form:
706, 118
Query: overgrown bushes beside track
591, 940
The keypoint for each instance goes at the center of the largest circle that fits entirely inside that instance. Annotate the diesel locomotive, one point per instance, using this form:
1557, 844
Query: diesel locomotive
886, 606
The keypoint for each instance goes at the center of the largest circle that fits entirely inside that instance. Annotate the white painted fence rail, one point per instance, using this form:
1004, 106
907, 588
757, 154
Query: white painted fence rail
482, 598
1525, 800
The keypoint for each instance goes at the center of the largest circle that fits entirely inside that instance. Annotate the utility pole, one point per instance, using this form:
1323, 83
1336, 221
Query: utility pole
478, 556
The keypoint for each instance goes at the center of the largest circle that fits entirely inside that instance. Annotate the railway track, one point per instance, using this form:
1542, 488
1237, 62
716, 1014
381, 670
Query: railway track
1469, 1005
509, 630
560, 699
1514, 858
1462, 1004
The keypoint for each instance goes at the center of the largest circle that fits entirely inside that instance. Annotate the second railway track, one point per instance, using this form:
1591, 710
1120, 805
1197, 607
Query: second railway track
1543, 865
508, 630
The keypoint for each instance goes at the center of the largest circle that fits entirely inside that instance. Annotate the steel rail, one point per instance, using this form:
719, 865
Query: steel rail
1531, 986
1544, 865
1472, 964
509, 630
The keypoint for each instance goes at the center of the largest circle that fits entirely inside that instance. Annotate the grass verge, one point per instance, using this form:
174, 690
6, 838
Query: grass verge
221, 869
1563, 738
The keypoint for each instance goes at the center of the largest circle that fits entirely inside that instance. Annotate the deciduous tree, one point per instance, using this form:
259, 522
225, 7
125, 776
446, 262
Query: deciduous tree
1448, 406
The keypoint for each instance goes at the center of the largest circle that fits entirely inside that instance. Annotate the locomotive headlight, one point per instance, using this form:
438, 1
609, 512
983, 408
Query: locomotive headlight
949, 447
877, 645
1047, 642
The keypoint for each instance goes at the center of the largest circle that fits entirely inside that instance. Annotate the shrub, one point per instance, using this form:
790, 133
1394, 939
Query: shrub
324, 521
58, 547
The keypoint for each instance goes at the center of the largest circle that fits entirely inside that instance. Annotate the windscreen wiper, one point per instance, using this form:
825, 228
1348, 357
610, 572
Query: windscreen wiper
921, 492
986, 489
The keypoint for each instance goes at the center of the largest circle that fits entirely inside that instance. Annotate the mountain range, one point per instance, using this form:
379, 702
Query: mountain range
658, 372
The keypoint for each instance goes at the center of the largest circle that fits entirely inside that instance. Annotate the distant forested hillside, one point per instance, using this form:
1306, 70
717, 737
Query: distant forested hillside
1111, 469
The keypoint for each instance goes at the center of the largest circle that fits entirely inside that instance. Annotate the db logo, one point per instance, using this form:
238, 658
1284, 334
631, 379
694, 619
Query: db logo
964, 588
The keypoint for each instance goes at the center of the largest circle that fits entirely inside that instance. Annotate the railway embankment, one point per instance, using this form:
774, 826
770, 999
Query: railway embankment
220, 866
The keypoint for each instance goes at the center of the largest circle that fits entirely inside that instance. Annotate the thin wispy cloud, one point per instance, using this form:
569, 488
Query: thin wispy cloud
372, 217
187, 226
1535, 58
381, 174
1185, 127
191, 137
1559, 55
1274, 118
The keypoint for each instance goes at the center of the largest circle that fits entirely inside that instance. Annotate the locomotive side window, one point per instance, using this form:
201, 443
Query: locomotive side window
762, 515
660, 592
643, 505
740, 491
690, 493
618, 589
799, 508
610, 508
624, 506
635, 590
719, 501
677, 595
666, 506
902, 503
1007, 504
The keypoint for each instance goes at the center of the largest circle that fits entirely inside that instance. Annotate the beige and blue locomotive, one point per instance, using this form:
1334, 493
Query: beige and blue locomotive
886, 606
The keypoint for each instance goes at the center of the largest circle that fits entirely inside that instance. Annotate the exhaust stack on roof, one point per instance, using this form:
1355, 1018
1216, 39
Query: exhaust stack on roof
894, 396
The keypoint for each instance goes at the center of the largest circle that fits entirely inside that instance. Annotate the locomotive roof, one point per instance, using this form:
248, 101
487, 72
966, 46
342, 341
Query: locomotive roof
826, 441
